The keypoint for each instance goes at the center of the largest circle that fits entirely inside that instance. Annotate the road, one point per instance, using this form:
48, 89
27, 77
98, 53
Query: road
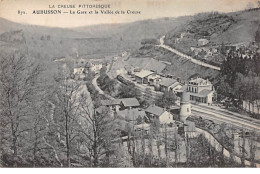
198, 62
100, 91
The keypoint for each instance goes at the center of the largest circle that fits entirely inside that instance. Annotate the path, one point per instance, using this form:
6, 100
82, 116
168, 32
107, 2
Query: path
100, 91
198, 62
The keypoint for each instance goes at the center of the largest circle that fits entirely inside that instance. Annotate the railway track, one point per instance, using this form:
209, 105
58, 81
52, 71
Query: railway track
220, 116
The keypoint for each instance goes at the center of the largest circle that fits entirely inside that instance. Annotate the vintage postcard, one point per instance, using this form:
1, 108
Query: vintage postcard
130, 83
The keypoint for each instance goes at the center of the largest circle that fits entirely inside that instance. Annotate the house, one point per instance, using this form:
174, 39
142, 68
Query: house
78, 71
201, 90
135, 116
96, 66
142, 76
202, 42
154, 79
156, 112
129, 103
120, 104
169, 85
112, 104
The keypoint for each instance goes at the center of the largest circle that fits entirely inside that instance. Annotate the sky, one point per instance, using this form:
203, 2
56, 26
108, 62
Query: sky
150, 9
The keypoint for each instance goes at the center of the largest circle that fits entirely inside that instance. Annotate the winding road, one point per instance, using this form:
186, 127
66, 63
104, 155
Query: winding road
198, 62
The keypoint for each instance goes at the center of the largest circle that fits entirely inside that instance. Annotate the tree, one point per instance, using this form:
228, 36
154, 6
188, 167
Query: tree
68, 95
257, 35
148, 96
99, 130
19, 89
167, 100
129, 91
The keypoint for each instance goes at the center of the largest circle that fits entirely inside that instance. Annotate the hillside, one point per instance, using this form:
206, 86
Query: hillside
178, 67
89, 41
216, 28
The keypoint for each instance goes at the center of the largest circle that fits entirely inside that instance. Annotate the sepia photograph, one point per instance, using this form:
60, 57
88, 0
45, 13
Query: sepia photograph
129, 84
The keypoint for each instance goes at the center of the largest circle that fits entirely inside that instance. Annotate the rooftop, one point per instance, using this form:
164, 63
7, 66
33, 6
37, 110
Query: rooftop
129, 102
110, 102
131, 114
167, 82
156, 110
199, 81
143, 73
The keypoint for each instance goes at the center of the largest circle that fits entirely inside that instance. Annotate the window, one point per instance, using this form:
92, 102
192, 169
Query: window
188, 110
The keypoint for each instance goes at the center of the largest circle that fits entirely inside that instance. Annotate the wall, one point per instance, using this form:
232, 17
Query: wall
213, 142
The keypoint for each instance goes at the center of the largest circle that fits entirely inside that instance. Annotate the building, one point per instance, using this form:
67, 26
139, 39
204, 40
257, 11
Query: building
129, 103
135, 116
203, 42
169, 85
96, 65
112, 104
120, 104
78, 71
200, 90
185, 110
142, 76
156, 112
154, 79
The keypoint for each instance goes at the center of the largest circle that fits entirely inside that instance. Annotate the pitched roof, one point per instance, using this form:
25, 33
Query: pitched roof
167, 82
131, 114
110, 102
143, 73
129, 102
205, 92
156, 110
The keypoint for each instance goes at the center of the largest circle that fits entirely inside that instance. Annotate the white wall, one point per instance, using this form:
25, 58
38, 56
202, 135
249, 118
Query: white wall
166, 117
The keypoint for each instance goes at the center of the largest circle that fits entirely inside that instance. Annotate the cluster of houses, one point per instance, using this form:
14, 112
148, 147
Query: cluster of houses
82, 66
129, 110
159, 81
207, 51
200, 90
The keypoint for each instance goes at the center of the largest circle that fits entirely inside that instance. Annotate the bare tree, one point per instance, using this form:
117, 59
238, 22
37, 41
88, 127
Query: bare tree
253, 148
98, 129
19, 84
